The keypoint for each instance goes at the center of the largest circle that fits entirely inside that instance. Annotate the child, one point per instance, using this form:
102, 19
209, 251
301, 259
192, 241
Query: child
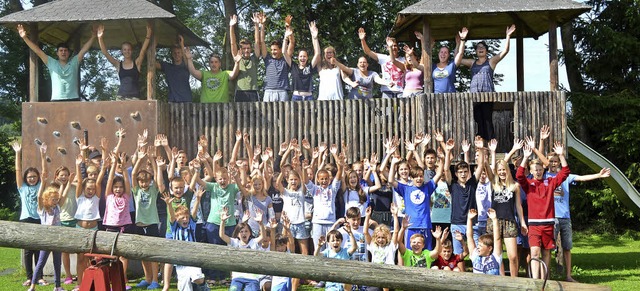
283, 243
487, 258
417, 200
49, 211
28, 185
117, 217
145, 193
88, 213
447, 261
353, 220
540, 203
258, 199
67, 213
355, 195
383, 246
183, 227
242, 239
418, 256
334, 250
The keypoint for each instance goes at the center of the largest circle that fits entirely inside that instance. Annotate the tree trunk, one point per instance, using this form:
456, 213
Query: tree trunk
229, 10
18, 235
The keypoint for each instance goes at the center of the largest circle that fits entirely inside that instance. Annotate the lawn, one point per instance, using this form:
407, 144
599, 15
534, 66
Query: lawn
608, 260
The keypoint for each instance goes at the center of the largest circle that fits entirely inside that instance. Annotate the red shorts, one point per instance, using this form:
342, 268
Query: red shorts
541, 236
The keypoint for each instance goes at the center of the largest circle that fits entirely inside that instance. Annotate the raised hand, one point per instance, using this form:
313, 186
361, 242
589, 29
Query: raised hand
558, 148
283, 147
374, 159
246, 216
224, 213
418, 35
405, 222
395, 159
268, 151
409, 146
334, 149
605, 172
493, 145
463, 33
238, 135
517, 144
287, 21
465, 145
437, 233
530, 142
361, 33
233, 20
438, 135
199, 193
273, 224
449, 145
367, 212
389, 41
100, 31
458, 236
527, 151
16, 146
21, 31
393, 209
511, 29
544, 132
217, 156
491, 213
472, 213
258, 217
167, 198
43, 148
478, 142
313, 29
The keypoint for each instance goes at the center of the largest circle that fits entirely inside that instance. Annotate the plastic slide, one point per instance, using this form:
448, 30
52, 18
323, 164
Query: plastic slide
618, 182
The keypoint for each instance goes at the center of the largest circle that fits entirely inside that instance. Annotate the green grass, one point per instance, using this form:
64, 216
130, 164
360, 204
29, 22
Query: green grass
608, 260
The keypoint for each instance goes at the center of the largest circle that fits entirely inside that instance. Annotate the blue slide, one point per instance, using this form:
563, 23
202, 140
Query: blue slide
619, 183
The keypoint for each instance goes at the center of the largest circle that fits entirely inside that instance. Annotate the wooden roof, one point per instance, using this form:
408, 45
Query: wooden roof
484, 19
124, 20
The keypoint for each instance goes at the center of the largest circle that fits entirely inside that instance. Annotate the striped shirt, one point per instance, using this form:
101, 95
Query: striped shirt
277, 73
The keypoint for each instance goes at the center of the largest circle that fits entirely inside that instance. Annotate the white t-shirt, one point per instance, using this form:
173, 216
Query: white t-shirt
235, 243
293, 205
330, 85
391, 72
351, 199
383, 255
361, 252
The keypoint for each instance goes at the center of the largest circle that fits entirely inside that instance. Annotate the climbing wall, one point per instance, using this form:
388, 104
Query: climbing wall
60, 124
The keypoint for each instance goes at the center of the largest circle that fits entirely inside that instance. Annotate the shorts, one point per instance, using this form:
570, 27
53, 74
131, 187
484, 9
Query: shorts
541, 236
391, 94
69, 223
299, 231
275, 95
247, 96
93, 228
129, 228
457, 245
506, 228
563, 226
149, 230
301, 98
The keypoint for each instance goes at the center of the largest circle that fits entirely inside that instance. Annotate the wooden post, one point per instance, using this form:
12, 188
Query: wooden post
520, 56
33, 65
151, 64
426, 54
553, 54
18, 235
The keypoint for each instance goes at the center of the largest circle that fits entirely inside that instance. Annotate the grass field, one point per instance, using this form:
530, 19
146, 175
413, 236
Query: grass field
608, 260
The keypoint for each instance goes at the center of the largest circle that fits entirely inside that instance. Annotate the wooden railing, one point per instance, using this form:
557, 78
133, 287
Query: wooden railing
363, 124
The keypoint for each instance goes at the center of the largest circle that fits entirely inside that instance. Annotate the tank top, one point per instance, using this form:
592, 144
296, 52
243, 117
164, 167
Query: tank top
129, 81
503, 202
88, 208
481, 78
414, 80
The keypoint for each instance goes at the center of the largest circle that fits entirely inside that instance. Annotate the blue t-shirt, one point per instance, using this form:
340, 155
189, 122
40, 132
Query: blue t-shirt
342, 254
561, 196
29, 201
444, 79
417, 202
178, 82
184, 234
64, 78
489, 265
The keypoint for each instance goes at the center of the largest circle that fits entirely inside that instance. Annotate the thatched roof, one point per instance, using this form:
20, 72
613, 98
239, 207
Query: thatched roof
124, 20
484, 19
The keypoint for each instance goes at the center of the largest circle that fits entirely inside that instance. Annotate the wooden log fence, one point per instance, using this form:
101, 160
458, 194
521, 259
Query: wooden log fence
364, 124
71, 240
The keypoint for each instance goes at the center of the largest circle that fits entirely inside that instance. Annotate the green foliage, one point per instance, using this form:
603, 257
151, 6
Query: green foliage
8, 188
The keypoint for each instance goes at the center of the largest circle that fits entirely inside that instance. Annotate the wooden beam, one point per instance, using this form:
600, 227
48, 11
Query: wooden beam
33, 64
520, 57
426, 54
553, 55
151, 64
19, 235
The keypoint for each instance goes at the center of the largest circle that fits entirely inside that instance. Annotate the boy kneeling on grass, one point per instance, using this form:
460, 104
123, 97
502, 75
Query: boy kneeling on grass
487, 258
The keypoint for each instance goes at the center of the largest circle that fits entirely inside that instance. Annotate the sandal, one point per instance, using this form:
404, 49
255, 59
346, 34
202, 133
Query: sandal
43, 282
27, 283
68, 281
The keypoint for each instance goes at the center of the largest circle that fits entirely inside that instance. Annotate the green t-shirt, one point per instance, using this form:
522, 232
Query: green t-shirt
215, 87
64, 78
422, 260
248, 76
185, 200
146, 209
221, 198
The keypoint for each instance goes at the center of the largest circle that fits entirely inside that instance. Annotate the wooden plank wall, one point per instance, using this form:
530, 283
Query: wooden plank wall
362, 124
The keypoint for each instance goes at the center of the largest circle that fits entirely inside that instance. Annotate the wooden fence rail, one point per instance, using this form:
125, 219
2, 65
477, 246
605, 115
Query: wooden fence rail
71, 240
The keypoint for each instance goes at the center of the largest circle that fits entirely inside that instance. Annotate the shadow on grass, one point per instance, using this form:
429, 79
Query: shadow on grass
608, 262
605, 240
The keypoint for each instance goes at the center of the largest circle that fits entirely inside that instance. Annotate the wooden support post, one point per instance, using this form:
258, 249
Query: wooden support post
426, 54
151, 64
520, 56
33, 65
553, 54
18, 235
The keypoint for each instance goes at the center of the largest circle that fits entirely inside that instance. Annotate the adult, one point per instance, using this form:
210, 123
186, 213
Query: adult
482, 69
393, 71
302, 73
413, 75
128, 69
331, 74
444, 71
276, 81
247, 81
177, 74
215, 82
361, 80
65, 71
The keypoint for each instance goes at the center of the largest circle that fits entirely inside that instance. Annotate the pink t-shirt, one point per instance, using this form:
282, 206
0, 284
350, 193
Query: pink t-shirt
414, 80
117, 211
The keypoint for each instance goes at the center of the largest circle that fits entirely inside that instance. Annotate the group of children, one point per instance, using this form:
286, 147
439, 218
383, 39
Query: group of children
271, 201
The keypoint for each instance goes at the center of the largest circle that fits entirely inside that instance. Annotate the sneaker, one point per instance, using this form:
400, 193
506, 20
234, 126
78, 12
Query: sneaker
58, 289
154, 285
68, 281
320, 284
143, 284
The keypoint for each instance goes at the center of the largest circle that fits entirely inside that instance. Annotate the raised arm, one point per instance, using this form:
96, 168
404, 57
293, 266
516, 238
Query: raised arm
224, 215
159, 163
65, 192
496, 59
18, 159
367, 51
33, 46
261, 47
236, 67
392, 172
517, 145
367, 221
393, 59
545, 131
604, 173
167, 200
497, 243
459, 51
316, 44
103, 47
479, 145
87, 45
236, 147
145, 45
112, 173
396, 223
192, 69
79, 187
470, 242
286, 47
233, 20
438, 234
405, 224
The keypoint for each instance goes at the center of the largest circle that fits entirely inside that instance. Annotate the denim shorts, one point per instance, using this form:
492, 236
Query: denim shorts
299, 231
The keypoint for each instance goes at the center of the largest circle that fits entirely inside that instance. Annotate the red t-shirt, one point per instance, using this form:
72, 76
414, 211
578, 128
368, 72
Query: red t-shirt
451, 263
